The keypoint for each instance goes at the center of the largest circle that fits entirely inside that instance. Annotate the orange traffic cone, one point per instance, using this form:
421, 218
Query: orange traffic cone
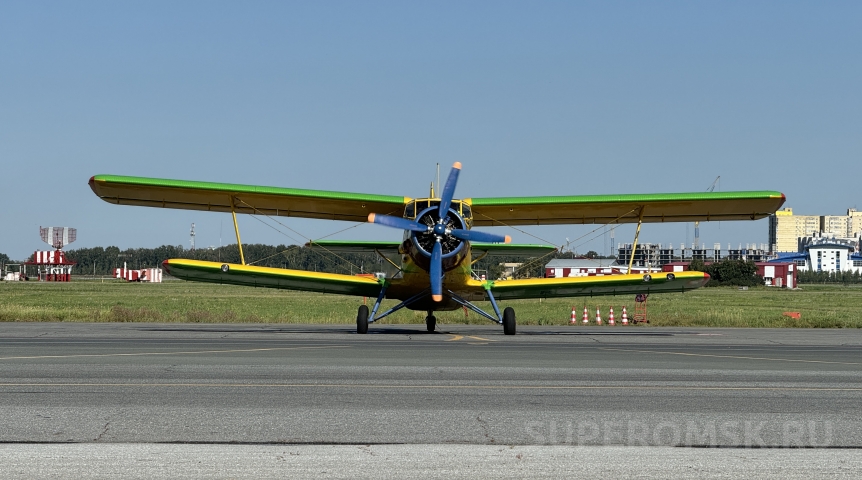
574, 320
598, 316
611, 317
586, 315
625, 316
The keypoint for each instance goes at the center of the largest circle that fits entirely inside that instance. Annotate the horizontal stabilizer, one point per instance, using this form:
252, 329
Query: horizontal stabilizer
387, 247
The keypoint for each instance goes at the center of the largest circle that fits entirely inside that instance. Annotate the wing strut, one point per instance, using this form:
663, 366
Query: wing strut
236, 229
635, 244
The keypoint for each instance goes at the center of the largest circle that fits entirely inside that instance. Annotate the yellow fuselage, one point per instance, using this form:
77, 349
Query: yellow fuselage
415, 263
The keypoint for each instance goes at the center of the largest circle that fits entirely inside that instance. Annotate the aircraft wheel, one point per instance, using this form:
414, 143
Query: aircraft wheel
431, 322
509, 321
362, 319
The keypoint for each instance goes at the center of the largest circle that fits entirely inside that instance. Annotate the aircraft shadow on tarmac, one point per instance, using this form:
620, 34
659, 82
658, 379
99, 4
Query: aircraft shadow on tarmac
392, 330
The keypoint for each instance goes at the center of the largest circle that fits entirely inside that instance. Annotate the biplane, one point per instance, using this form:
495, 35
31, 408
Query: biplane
439, 245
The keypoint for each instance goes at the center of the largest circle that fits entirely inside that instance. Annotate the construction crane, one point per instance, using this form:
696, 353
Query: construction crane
697, 224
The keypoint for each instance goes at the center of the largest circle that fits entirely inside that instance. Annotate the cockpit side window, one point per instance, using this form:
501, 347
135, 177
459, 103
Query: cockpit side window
465, 211
410, 210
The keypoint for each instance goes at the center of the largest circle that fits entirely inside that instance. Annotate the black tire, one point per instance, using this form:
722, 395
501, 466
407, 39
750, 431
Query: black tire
431, 322
362, 320
509, 321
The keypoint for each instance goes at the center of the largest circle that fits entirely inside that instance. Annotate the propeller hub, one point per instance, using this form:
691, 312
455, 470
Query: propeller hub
438, 231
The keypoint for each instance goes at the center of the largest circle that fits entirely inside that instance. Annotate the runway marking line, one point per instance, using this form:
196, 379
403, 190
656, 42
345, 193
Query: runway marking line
139, 354
480, 338
455, 338
728, 356
437, 387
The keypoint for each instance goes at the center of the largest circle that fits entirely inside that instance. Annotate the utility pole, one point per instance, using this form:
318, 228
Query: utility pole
192, 237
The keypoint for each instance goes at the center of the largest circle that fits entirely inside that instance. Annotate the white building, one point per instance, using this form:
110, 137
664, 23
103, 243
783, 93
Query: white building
590, 267
827, 255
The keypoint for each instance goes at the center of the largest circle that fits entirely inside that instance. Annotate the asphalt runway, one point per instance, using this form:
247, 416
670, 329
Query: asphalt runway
547, 389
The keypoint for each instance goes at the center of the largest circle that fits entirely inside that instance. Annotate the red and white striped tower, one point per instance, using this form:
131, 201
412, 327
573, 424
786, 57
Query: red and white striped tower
611, 317
586, 316
625, 316
52, 266
598, 316
574, 320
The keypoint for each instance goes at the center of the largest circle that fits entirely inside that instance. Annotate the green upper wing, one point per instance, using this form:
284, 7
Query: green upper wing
217, 197
601, 209
371, 246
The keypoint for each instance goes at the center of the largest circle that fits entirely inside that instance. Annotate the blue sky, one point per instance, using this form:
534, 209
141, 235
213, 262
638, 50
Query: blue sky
533, 98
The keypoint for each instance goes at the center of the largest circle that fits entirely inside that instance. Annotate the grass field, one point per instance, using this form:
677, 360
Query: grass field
179, 301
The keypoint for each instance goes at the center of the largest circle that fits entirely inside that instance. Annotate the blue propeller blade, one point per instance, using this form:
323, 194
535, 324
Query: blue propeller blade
436, 272
474, 236
397, 222
449, 190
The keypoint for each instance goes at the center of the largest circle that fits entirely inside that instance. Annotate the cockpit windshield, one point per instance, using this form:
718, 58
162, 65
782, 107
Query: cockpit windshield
414, 207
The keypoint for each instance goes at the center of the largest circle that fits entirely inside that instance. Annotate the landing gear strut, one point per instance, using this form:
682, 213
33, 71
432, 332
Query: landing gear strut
431, 321
362, 320
507, 319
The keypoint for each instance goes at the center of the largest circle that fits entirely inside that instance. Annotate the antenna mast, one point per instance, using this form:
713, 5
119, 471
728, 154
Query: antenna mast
697, 224
438, 177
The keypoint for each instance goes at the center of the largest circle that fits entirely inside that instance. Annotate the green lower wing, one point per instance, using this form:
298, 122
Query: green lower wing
660, 282
252, 276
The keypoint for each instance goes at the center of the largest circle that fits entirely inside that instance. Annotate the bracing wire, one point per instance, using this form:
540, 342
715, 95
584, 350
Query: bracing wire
298, 233
536, 259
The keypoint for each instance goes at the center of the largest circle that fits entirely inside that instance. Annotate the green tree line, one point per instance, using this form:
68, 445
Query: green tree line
729, 273
103, 260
